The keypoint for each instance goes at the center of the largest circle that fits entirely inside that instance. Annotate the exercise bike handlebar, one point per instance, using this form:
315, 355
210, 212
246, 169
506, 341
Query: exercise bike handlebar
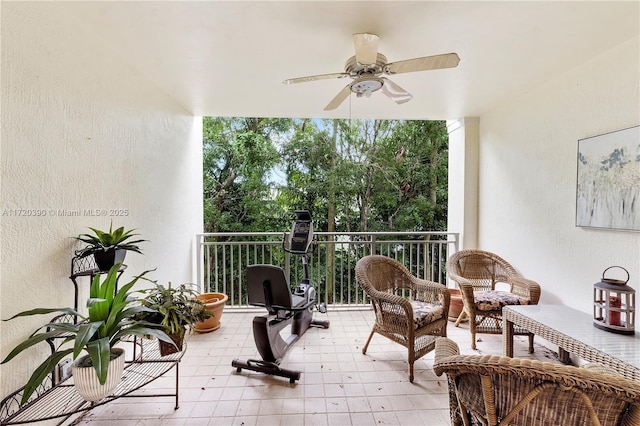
297, 252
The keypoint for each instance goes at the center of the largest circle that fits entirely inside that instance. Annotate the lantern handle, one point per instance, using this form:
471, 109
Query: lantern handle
614, 281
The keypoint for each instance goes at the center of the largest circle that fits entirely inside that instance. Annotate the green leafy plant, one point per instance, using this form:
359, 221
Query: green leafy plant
111, 240
174, 308
112, 315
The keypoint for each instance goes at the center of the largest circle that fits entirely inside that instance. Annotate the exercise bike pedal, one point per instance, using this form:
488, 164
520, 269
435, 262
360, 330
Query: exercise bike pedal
266, 367
320, 323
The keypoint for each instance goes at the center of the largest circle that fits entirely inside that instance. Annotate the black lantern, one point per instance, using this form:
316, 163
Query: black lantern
614, 304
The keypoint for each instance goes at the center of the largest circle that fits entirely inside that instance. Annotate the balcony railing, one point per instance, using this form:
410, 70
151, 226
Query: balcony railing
222, 260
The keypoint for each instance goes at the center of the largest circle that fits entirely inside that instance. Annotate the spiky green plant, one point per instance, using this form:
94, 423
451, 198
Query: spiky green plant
112, 240
112, 315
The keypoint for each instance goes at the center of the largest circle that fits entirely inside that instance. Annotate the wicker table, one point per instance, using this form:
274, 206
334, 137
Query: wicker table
573, 332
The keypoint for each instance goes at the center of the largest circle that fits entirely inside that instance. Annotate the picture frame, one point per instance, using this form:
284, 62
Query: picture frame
608, 181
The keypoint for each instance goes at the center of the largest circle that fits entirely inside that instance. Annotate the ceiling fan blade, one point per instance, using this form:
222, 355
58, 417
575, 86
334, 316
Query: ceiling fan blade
395, 92
366, 46
316, 77
340, 97
447, 60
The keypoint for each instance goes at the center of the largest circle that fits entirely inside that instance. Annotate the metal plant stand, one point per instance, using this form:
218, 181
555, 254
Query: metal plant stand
56, 397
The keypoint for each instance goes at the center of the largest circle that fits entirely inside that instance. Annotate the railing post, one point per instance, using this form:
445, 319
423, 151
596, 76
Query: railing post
287, 264
199, 262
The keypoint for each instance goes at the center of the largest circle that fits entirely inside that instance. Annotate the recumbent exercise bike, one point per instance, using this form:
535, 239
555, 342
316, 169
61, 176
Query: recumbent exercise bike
267, 286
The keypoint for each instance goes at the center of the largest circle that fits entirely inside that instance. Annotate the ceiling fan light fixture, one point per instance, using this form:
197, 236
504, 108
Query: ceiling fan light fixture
366, 46
366, 86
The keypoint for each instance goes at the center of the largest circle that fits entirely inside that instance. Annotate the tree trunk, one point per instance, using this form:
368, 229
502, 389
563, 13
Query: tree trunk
434, 174
331, 217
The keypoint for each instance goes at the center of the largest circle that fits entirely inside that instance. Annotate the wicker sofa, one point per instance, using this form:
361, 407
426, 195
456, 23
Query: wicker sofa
497, 390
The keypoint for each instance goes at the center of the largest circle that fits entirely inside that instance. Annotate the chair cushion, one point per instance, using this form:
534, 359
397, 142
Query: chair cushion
425, 313
600, 368
493, 300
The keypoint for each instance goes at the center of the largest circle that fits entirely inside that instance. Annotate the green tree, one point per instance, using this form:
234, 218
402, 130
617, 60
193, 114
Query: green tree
307, 157
410, 190
353, 175
239, 156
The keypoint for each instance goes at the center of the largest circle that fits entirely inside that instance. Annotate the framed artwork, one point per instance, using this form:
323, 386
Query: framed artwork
608, 187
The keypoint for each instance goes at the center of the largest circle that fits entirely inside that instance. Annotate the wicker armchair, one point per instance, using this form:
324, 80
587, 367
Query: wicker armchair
477, 272
408, 310
496, 390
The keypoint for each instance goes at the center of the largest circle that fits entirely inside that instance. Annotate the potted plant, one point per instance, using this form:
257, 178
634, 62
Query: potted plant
214, 302
175, 309
108, 248
111, 316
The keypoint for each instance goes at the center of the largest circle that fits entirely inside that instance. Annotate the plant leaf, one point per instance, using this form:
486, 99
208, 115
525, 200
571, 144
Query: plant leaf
37, 338
41, 372
139, 330
99, 351
84, 336
40, 311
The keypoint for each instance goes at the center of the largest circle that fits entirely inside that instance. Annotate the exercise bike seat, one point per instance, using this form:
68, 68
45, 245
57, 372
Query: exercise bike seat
267, 286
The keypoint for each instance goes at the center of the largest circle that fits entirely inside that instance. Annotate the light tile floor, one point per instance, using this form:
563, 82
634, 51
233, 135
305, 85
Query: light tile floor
339, 385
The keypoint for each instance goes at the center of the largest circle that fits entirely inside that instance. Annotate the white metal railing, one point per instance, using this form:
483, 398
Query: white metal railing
222, 259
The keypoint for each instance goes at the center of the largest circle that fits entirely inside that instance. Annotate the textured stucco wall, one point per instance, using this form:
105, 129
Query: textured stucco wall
528, 150
83, 130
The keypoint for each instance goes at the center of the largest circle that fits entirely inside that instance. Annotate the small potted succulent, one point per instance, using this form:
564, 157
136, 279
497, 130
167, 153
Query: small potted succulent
112, 315
175, 309
108, 248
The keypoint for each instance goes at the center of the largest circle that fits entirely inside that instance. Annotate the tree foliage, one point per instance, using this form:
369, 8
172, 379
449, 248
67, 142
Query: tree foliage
238, 155
353, 175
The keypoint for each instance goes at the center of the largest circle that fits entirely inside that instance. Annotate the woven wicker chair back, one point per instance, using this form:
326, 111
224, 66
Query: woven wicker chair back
482, 269
383, 274
496, 390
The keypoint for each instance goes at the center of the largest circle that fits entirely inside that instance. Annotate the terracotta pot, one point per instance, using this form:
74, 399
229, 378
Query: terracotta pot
86, 380
215, 303
455, 305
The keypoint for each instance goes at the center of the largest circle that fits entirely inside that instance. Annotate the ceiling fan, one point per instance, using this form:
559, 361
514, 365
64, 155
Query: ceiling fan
367, 67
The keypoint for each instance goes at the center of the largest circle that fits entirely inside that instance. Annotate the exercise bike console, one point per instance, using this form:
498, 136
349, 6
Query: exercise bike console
301, 233
267, 286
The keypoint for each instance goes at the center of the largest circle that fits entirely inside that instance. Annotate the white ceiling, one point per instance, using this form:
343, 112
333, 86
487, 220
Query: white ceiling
230, 58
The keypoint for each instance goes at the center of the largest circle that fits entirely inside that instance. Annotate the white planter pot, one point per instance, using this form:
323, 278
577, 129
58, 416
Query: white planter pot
86, 380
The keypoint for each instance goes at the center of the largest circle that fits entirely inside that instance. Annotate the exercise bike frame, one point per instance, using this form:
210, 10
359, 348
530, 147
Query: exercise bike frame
268, 286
